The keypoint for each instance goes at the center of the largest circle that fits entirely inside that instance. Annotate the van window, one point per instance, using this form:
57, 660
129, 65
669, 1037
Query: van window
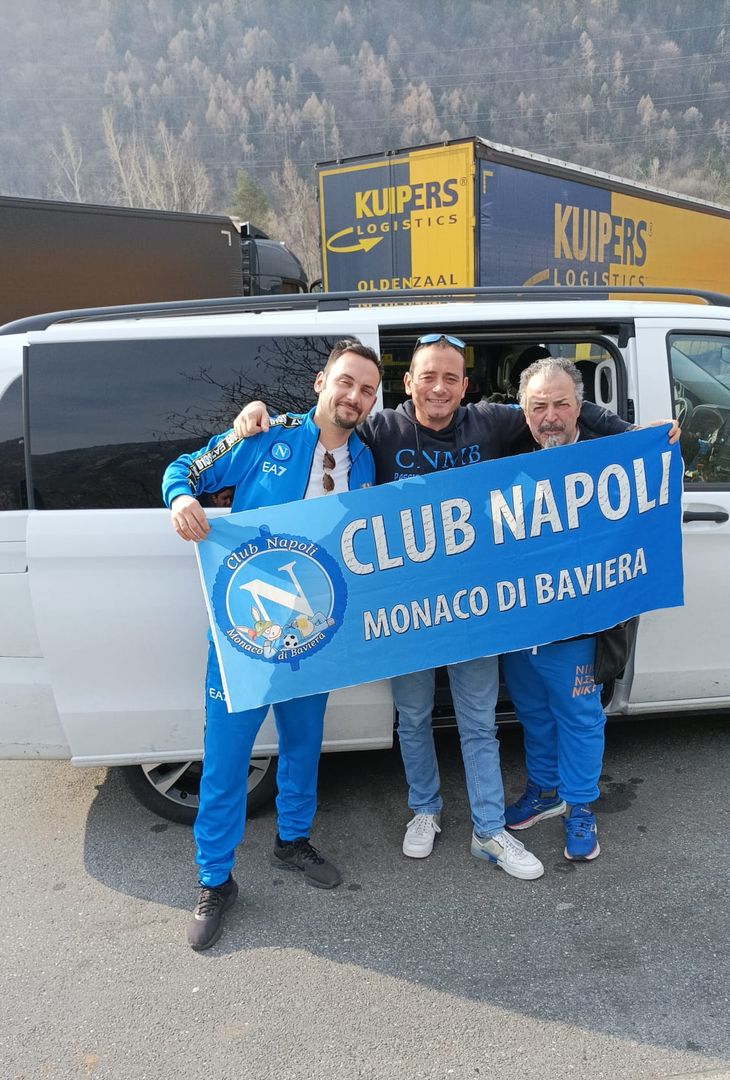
494, 364
12, 474
700, 365
107, 417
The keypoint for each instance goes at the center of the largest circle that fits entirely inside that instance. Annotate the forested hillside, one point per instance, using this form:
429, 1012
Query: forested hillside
227, 105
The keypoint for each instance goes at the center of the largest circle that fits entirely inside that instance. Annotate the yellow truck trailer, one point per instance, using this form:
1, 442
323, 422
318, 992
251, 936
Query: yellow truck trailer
472, 212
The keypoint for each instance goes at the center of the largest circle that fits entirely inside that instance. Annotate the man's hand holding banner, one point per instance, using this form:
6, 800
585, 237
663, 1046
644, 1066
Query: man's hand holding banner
476, 561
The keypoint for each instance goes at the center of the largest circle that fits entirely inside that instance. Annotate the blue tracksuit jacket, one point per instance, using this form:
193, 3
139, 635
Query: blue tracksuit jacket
271, 469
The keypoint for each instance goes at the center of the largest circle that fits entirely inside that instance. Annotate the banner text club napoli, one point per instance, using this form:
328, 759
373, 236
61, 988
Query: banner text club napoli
476, 561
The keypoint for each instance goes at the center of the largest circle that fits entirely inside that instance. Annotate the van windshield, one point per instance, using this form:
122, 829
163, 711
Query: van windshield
702, 365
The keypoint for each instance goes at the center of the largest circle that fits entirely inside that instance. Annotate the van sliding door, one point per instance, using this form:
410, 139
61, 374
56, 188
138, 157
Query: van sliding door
117, 599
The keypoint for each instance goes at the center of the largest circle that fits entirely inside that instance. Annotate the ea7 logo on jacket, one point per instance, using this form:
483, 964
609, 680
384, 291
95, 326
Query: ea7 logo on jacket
280, 451
279, 598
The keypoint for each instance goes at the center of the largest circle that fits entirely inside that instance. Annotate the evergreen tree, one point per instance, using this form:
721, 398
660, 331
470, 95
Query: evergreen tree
249, 202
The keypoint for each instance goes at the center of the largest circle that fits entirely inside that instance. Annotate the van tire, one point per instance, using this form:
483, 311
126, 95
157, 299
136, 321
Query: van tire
178, 801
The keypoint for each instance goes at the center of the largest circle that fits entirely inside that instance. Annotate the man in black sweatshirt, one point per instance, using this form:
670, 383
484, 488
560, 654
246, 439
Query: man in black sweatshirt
428, 433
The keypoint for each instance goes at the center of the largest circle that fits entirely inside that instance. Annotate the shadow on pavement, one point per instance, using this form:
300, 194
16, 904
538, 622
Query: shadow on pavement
632, 945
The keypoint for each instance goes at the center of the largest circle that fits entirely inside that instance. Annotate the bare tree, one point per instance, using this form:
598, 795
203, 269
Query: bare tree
162, 176
295, 219
281, 372
67, 159
118, 155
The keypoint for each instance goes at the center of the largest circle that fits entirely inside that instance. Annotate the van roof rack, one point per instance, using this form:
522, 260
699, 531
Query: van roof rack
343, 301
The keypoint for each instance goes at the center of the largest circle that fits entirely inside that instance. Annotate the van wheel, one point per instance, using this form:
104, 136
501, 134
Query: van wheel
171, 788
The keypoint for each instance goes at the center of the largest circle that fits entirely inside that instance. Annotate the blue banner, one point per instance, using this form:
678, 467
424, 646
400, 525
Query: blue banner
341, 590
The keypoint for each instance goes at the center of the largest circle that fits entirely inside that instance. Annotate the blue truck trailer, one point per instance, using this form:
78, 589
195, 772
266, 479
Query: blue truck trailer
472, 212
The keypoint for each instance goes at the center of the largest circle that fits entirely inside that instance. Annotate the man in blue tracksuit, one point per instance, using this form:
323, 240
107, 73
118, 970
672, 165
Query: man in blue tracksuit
555, 696
303, 457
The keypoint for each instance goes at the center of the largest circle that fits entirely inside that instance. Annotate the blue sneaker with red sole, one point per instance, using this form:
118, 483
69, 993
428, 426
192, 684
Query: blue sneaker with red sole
581, 834
535, 805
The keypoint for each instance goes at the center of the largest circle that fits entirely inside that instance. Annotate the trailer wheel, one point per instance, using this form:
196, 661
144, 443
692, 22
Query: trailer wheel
171, 789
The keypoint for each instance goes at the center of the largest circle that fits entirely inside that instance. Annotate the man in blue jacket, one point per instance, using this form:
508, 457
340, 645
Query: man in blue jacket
303, 457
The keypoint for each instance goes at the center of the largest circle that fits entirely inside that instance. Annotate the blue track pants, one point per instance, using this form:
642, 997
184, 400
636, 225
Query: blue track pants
559, 706
229, 739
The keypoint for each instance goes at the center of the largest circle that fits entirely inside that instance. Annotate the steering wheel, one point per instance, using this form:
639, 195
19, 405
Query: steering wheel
683, 407
719, 459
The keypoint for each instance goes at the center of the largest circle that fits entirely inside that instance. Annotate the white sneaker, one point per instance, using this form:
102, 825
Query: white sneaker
510, 854
420, 835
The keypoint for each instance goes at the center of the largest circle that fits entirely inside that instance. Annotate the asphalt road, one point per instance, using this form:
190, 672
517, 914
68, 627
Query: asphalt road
440, 968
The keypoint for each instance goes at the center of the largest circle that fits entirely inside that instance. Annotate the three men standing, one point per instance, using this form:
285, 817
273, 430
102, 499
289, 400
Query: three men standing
429, 432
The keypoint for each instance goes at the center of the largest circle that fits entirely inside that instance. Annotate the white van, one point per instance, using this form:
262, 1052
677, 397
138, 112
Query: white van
102, 621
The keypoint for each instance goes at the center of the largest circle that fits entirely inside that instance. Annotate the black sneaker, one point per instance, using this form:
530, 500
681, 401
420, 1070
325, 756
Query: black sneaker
300, 855
206, 924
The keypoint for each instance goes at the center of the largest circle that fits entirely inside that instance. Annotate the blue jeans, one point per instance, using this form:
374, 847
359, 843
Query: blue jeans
474, 689
559, 706
229, 739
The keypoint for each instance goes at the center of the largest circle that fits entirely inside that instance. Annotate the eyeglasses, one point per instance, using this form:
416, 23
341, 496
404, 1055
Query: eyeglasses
431, 339
328, 480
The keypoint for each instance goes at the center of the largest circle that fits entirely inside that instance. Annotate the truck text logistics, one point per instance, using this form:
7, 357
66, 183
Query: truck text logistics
471, 212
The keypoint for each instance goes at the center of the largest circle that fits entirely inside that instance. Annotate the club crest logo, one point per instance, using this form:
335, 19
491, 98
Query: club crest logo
280, 451
279, 598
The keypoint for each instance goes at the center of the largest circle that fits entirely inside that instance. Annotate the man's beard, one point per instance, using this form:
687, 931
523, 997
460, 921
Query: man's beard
551, 435
553, 439
347, 423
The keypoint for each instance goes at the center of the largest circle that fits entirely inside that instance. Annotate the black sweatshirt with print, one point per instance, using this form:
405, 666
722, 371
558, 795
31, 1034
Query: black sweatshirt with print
402, 447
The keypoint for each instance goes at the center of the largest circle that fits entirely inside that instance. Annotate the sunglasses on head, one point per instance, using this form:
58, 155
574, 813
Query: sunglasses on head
431, 339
